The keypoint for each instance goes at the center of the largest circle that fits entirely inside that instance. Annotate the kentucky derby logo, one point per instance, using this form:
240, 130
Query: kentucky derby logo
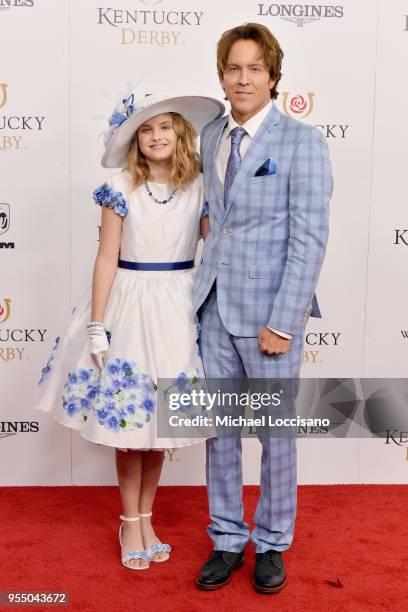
14, 343
5, 310
297, 106
15, 129
149, 27
3, 94
301, 106
4, 218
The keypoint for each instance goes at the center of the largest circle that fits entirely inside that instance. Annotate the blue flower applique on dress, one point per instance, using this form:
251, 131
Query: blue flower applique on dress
127, 396
105, 195
49, 367
189, 385
79, 393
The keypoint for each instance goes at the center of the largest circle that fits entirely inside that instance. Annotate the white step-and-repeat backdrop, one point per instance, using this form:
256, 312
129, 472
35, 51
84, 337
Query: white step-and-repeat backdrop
63, 65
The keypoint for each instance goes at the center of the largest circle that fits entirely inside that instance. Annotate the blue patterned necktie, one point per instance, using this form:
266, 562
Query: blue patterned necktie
234, 160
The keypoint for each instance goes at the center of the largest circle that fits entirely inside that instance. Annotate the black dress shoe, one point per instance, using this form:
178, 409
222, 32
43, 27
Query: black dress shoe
270, 576
217, 570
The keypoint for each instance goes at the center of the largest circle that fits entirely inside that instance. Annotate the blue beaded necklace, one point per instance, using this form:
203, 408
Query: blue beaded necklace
149, 191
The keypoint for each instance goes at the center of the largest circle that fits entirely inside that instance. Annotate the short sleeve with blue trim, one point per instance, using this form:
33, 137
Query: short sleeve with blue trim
109, 194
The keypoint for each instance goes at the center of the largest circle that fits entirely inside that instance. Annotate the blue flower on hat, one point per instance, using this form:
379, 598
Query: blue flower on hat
121, 112
117, 119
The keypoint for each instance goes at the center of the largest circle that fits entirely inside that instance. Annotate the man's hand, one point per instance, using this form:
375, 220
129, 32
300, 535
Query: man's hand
271, 343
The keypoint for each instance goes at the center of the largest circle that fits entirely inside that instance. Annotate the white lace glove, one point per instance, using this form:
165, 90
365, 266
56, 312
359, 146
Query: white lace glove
98, 344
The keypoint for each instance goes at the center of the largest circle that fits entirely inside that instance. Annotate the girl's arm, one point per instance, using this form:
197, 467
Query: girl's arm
106, 262
204, 227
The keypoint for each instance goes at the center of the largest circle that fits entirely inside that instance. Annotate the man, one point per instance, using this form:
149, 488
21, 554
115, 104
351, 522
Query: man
268, 182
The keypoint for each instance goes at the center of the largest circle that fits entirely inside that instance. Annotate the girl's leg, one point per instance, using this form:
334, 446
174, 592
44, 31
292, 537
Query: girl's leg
129, 470
152, 462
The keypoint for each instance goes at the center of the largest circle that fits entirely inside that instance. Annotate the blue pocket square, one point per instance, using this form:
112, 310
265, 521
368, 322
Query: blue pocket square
267, 168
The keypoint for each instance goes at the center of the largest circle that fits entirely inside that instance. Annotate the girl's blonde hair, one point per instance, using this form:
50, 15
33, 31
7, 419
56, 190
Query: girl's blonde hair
184, 162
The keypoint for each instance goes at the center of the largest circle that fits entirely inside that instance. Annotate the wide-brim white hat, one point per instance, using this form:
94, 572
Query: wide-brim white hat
131, 113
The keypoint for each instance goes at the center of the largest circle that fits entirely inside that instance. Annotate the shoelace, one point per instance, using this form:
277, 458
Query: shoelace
270, 556
218, 555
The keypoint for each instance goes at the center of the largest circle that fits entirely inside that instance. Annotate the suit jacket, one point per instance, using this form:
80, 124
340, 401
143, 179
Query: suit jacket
266, 248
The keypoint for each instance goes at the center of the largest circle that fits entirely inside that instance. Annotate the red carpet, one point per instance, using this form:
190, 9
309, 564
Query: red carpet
349, 553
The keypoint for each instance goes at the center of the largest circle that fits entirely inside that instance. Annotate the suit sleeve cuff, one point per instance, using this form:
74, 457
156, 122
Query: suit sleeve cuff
281, 333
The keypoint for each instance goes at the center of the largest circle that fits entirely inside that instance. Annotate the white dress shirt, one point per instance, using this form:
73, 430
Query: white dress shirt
224, 149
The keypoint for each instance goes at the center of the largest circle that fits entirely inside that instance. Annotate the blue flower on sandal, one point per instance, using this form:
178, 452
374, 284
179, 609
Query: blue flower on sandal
158, 548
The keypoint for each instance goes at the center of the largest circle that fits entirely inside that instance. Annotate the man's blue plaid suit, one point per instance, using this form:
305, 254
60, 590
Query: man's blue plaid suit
261, 262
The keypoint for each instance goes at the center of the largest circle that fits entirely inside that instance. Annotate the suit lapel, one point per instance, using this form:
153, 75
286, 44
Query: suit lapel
213, 148
257, 149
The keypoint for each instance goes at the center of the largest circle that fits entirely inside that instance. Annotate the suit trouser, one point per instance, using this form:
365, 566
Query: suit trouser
235, 357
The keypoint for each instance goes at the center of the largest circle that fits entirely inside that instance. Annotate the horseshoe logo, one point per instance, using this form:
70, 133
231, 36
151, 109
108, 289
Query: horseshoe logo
3, 88
5, 312
297, 105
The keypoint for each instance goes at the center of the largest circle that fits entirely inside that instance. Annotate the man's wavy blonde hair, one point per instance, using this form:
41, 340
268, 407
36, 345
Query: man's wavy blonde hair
269, 48
184, 163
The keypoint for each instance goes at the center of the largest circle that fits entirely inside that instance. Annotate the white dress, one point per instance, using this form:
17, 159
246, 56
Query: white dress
150, 318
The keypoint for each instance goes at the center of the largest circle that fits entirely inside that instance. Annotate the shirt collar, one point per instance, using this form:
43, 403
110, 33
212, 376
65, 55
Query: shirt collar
252, 125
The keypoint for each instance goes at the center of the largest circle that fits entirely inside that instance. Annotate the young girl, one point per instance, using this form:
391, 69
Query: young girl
137, 325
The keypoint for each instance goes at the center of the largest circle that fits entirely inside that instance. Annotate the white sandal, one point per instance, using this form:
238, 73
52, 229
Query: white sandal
156, 548
137, 554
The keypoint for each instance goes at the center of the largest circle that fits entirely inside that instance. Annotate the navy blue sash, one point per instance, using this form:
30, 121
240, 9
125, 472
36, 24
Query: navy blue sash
156, 267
